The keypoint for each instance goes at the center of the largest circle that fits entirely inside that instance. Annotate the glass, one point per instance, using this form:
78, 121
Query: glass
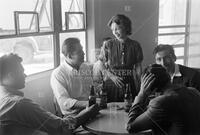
36, 52
7, 8
79, 35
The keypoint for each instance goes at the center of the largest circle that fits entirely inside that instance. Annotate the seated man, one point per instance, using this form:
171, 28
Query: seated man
174, 110
165, 56
20, 116
71, 80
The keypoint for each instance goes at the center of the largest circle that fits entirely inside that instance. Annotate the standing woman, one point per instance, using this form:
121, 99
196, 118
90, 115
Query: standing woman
121, 58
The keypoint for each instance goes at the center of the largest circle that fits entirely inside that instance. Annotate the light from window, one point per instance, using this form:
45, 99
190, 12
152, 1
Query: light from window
36, 52
76, 21
7, 8
172, 12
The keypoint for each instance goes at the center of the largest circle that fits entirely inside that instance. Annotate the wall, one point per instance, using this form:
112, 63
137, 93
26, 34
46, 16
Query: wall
144, 16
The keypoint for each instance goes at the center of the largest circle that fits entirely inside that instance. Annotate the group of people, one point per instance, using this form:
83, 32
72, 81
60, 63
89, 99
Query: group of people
166, 95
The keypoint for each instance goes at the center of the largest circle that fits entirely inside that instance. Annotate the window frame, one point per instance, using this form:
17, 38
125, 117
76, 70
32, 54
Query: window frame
56, 16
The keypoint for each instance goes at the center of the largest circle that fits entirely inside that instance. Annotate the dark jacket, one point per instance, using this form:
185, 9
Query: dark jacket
189, 77
176, 112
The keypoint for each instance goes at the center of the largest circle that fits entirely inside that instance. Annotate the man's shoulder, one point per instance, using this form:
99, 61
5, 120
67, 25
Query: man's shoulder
183, 68
61, 69
187, 71
163, 100
19, 101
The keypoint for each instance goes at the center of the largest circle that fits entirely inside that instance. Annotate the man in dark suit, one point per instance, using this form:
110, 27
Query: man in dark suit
174, 109
165, 56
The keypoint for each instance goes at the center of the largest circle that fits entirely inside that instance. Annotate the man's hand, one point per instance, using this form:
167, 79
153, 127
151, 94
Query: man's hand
146, 82
87, 114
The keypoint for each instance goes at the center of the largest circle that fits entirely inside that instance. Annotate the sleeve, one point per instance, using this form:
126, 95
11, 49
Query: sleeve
60, 90
37, 118
139, 53
151, 118
195, 80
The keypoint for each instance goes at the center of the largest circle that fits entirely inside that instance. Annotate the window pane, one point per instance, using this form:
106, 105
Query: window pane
180, 61
72, 6
79, 35
74, 20
179, 51
36, 52
7, 8
25, 20
171, 39
172, 12
170, 30
194, 62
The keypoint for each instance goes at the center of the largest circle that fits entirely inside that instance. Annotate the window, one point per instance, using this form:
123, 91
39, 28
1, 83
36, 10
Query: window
27, 29
172, 27
73, 22
179, 26
73, 14
36, 52
8, 8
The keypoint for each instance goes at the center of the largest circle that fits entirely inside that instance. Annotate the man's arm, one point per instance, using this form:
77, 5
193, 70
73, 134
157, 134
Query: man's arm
138, 108
80, 105
152, 118
86, 114
35, 117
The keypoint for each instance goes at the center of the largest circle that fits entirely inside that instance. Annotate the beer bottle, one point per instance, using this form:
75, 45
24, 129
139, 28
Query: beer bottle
103, 97
127, 98
92, 97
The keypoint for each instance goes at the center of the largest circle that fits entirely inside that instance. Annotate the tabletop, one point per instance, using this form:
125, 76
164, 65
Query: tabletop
110, 121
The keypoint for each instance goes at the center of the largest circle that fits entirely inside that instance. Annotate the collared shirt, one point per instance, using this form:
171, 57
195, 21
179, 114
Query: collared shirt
20, 112
70, 85
176, 73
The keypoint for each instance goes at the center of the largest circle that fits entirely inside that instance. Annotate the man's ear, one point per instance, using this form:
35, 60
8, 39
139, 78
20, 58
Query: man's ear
7, 78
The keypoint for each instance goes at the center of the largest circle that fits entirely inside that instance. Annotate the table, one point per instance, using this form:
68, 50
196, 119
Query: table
110, 121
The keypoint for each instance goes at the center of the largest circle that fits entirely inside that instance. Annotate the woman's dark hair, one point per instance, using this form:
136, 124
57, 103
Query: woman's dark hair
122, 20
161, 75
